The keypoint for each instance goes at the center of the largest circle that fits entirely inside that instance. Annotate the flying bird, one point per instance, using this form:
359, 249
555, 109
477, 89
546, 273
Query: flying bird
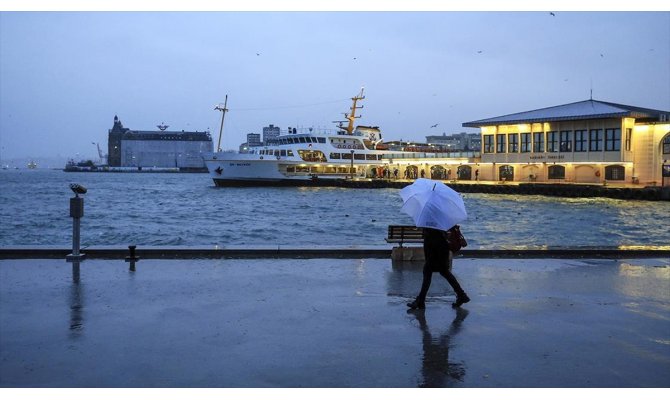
258, 54
479, 52
434, 126
602, 55
552, 14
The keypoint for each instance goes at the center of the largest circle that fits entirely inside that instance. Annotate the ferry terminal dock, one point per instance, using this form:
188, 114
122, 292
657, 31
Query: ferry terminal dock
334, 322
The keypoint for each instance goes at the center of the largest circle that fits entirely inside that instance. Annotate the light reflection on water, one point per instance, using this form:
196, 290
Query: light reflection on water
186, 209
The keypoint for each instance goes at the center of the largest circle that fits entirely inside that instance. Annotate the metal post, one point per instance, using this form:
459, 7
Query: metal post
132, 258
352, 165
76, 212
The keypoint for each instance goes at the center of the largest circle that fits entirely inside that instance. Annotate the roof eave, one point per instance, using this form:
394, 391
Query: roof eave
482, 123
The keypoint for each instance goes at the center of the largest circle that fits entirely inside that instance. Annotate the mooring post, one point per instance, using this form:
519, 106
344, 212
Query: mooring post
132, 258
76, 212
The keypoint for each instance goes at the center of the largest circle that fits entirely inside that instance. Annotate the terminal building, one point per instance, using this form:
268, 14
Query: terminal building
587, 142
157, 149
584, 142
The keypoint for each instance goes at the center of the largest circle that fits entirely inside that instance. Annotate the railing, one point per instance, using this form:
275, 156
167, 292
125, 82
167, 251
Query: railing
459, 154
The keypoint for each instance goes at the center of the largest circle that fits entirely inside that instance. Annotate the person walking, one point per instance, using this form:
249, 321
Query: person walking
438, 259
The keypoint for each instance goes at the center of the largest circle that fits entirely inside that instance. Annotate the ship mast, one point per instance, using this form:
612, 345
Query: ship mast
223, 115
351, 117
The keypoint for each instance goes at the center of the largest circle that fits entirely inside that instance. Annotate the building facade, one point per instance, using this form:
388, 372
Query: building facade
270, 132
254, 139
156, 149
584, 142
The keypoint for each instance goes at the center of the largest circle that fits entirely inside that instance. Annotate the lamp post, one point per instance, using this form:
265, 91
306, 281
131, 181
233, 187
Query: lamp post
352, 165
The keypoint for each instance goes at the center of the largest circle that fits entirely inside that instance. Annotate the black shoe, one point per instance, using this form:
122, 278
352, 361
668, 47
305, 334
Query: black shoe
460, 300
417, 305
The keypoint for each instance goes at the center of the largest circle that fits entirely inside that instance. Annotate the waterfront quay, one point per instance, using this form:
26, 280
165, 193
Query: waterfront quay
614, 191
322, 322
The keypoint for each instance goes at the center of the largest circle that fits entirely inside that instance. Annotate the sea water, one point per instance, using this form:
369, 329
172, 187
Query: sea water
168, 209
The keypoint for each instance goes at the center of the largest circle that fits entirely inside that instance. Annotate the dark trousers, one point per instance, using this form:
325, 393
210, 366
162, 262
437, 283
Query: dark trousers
428, 277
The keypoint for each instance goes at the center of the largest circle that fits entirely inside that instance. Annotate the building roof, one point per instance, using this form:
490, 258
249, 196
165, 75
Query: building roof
587, 109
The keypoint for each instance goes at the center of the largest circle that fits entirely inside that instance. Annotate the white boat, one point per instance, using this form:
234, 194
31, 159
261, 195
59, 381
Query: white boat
305, 157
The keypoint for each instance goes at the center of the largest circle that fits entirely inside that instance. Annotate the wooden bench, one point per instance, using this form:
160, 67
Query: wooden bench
404, 234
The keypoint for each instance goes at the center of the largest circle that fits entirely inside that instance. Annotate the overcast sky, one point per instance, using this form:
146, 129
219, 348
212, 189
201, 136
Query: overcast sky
64, 75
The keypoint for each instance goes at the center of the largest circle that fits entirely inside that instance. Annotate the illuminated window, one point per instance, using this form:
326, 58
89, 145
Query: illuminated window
525, 142
312, 155
500, 143
552, 142
538, 142
513, 143
464, 173
615, 173
488, 143
666, 145
596, 140
556, 172
612, 139
580, 140
566, 141
506, 172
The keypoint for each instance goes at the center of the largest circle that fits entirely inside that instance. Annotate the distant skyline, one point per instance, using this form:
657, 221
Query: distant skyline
65, 75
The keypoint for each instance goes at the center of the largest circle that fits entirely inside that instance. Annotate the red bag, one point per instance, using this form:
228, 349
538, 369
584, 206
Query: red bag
455, 239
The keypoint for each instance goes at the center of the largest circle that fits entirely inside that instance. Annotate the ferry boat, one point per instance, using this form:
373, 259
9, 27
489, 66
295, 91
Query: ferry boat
305, 157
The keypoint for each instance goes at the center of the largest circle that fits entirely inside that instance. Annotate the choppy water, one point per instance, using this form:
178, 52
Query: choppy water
186, 209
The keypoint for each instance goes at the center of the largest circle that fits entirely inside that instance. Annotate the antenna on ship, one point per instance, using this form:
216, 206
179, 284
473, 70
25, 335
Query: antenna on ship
223, 115
352, 117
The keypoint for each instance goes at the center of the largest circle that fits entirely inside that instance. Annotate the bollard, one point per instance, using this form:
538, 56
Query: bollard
76, 212
132, 258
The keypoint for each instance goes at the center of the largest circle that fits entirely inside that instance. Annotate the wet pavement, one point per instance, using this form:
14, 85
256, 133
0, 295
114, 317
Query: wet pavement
334, 323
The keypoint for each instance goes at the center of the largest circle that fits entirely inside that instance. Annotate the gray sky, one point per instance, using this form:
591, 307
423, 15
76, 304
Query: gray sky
64, 75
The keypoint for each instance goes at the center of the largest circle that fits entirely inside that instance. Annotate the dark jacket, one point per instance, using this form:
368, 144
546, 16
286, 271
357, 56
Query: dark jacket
436, 249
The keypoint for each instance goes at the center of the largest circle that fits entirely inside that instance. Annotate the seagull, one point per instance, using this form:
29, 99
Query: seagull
434, 126
479, 52
552, 14
602, 55
258, 54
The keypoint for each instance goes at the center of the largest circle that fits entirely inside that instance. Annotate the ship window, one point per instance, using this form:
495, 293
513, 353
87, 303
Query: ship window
379, 157
312, 155
359, 156
321, 140
370, 156
346, 156
301, 139
335, 156
289, 153
283, 153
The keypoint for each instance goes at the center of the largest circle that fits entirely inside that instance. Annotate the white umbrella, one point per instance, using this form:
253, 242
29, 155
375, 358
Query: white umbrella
432, 204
